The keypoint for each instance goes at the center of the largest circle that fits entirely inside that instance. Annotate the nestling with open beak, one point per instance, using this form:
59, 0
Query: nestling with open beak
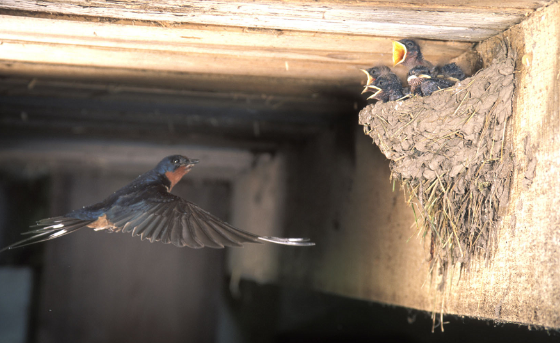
386, 88
407, 52
374, 73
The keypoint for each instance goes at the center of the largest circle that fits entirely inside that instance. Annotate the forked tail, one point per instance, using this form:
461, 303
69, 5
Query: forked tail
301, 242
50, 228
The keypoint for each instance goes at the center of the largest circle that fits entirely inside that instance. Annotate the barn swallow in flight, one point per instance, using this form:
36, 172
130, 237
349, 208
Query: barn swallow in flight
145, 208
422, 83
386, 88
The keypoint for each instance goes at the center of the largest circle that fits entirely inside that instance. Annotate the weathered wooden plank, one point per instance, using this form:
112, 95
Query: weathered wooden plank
194, 39
102, 102
288, 55
440, 21
143, 40
154, 60
225, 83
509, 5
140, 50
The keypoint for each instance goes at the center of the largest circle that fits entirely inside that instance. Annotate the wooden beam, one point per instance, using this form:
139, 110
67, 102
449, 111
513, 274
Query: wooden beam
70, 110
442, 20
269, 44
141, 52
169, 79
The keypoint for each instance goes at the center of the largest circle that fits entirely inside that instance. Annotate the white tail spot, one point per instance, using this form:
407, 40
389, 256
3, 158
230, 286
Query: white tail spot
61, 232
57, 226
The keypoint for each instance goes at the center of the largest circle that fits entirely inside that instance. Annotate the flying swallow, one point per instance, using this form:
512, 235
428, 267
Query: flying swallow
386, 88
407, 52
145, 208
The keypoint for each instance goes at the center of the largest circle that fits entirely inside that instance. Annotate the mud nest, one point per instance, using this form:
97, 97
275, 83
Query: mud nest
449, 152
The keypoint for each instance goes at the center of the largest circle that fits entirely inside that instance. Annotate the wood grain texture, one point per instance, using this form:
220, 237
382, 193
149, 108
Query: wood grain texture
436, 20
45, 47
367, 245
523, 282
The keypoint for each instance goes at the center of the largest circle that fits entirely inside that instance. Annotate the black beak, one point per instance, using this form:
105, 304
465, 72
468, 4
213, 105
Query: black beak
192, 161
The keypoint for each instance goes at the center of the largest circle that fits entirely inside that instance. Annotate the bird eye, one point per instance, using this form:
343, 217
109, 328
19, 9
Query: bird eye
176, 161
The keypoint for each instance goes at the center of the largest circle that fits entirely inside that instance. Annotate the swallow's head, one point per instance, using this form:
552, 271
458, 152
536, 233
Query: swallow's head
451, 72
419, 72
175, 167
386, 88
416, 76
174, 162
373, 73
406, 52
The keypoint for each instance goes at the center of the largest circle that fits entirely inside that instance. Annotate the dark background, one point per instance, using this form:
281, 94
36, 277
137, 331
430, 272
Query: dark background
99, 287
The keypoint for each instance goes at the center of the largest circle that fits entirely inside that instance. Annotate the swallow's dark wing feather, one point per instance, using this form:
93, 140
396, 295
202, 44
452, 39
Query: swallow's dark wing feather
159, 216
153, 214
50, 228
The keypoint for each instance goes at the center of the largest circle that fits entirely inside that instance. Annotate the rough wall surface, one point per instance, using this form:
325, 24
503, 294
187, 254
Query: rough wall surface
258, 202
366, 242
523, 282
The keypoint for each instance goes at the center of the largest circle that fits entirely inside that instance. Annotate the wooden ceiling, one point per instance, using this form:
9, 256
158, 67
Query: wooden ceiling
433, 19
276, 64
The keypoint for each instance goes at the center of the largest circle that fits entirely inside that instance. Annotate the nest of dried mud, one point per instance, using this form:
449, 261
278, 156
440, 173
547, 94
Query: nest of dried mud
449, 152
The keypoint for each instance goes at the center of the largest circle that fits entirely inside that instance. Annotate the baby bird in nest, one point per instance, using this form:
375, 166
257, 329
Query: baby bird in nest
383, 83
375, 72
408, 53
450, 72
422, 83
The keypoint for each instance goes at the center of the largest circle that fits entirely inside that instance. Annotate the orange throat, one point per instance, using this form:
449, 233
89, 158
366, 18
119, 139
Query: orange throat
175, 176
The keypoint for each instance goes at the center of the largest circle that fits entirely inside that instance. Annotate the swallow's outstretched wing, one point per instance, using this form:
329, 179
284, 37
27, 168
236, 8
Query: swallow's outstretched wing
164, 217
155, 215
